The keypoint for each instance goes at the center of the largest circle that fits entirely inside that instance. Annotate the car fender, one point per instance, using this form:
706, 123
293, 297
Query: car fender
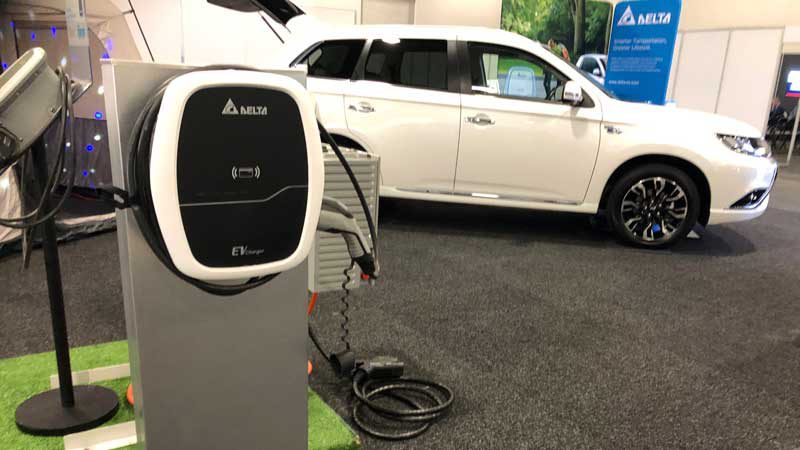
617, 149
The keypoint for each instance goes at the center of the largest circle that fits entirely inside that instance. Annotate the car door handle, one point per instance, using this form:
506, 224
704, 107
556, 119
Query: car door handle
481, 119
362, 107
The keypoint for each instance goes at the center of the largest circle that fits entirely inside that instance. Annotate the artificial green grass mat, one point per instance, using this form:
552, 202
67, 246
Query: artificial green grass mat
25, 376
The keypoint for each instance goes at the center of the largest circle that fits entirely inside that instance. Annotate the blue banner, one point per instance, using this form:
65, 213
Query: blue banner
642, 44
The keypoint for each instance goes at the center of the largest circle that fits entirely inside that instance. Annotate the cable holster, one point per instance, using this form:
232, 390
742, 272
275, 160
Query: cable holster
109, 195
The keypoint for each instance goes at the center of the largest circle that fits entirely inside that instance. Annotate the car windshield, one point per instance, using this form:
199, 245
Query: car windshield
592, 80
587, 76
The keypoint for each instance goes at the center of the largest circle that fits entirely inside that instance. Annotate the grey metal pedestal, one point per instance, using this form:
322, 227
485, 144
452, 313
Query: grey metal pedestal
208, 372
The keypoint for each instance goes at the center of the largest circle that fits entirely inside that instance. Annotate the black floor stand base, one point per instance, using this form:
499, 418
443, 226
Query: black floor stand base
43, 415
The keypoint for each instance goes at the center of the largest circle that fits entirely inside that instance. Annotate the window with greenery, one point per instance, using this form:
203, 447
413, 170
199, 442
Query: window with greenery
580, 25
513, 73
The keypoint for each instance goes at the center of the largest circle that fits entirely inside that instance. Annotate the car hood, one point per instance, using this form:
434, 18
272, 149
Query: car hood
677, 119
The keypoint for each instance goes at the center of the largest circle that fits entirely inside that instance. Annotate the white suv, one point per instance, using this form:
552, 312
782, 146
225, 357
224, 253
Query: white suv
483, 116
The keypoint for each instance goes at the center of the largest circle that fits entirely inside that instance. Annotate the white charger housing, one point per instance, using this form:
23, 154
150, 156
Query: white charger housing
236, 174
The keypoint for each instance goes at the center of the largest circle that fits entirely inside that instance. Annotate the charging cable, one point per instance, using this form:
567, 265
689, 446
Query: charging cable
379, 386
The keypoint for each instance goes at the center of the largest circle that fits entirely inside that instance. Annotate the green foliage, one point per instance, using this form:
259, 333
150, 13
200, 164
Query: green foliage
543, 20
505, 64
596, 24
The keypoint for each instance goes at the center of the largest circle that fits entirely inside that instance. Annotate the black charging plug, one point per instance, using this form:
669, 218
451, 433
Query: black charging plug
382, 368
345, 365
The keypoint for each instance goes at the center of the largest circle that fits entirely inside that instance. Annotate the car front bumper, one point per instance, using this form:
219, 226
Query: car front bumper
758, 174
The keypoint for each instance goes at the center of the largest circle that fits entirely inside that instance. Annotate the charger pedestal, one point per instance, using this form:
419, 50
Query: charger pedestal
208, 372
68, 409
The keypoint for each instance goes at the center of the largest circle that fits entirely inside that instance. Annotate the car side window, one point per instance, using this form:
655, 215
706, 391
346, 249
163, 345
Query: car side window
508, 72
416, 63
333, 59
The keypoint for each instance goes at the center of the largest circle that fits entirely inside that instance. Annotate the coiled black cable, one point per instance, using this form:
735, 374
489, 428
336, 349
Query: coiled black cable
344, 312
431, 400
431, 403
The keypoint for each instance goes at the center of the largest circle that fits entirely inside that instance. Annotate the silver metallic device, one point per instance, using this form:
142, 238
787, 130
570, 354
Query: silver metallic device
30, 99
330, 256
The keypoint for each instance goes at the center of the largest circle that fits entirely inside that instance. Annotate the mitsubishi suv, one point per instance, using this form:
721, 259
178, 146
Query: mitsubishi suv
487, 117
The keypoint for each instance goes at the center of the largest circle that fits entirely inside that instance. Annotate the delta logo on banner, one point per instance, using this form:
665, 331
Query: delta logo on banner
651, 18
793, 84
641, 49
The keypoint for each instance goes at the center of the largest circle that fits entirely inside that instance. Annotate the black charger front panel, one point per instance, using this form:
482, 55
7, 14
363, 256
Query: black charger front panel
242, 172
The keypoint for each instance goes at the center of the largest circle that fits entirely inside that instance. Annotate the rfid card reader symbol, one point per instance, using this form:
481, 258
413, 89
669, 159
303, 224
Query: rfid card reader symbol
245, 173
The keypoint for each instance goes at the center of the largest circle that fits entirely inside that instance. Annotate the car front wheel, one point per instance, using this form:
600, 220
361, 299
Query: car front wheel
654, 206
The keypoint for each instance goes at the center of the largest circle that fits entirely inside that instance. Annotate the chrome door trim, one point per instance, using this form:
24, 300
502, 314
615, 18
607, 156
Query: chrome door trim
485, 195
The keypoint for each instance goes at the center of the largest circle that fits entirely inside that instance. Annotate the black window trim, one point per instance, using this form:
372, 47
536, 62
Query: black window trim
305, 53
453, 66
466, 75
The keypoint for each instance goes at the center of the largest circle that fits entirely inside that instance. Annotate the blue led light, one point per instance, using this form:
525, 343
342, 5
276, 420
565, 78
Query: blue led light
85, 173
33, 36
89, 148
105, 55
5, 66
53, 31
657, 228
98, 115
12, 24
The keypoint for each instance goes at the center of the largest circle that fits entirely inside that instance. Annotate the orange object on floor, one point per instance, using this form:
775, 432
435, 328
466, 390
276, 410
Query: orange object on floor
129, 394
311, 304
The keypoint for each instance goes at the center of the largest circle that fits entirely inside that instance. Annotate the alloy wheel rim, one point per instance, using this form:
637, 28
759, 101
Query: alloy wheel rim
654, 208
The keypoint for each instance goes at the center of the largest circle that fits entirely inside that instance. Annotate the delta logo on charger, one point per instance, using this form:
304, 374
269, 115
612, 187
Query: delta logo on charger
655, 18
793, 84
231, 109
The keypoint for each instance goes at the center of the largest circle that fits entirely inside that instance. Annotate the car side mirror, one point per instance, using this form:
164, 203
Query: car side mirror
596, 72
573, 94
484, 90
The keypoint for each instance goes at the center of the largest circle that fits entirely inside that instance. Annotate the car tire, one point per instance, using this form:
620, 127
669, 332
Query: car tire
653, 206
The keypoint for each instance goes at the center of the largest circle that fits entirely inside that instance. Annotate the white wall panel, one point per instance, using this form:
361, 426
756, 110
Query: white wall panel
791, 40
334, 12
214, 35
333, 16
699, 72
481, 13
748, 82
674, 69
161, 23
388, 11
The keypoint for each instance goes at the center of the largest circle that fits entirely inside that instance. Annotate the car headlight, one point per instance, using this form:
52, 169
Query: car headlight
749, 146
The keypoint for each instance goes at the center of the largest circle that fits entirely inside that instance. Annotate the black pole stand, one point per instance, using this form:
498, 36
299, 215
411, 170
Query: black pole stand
68, 409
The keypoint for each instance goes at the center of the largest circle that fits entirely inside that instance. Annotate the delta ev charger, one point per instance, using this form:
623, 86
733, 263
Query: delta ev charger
220, 174
224, 188
233, 179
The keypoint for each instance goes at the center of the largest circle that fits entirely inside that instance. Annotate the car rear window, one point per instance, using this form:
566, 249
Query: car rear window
414, 63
